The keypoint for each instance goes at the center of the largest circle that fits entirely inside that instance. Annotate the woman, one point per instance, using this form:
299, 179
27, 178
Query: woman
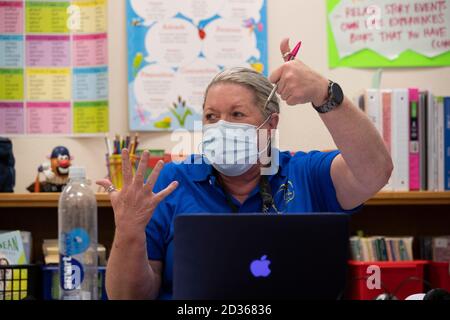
140, 264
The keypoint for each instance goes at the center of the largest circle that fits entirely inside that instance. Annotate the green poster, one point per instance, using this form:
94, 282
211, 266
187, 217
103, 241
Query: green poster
47, 17
90, 117
387, 34
11, 84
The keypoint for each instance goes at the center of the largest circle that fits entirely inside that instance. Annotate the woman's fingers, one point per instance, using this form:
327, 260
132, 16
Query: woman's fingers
285, 48
286, 94
127, 172
160, 196
154, 176
105, 183
275, 76
281, 87
140, 173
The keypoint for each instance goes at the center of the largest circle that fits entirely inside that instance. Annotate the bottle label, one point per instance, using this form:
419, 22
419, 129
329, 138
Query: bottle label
76, 241
71, 273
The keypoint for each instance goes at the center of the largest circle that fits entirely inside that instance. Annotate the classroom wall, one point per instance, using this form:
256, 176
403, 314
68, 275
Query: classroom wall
300, 126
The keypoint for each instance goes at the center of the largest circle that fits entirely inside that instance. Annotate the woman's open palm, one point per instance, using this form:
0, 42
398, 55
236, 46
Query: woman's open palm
135, 203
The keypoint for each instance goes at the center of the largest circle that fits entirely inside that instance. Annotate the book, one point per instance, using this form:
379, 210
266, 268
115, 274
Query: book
447, 143
386, 104
373, 108
432, 159
400, 139
393, 249
376, 248
414, 142
408, 244
50, 249
423, 141
384, 255
27, 243
397, 248
441, 249
440, 142
427, 248
402, 250
386, 96
356, 251
366, 250
11, 248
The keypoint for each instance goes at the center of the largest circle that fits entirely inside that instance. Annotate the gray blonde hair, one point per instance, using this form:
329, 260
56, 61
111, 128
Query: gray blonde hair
256, 82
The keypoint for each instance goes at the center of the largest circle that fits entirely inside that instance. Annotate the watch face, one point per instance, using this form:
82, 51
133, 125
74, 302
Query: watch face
338, 94
336, 97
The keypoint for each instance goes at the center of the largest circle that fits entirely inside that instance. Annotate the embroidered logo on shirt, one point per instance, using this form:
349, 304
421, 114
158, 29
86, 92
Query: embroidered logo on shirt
288, 194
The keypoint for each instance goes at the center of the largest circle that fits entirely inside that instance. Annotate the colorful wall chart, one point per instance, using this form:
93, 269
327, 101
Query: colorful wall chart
176, 47
53, 67
388, 33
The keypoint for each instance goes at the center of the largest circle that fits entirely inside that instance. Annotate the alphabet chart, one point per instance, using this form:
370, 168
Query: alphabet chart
176, 47
53, 67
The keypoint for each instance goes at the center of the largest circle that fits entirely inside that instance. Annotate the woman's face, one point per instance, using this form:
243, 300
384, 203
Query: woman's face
232, 103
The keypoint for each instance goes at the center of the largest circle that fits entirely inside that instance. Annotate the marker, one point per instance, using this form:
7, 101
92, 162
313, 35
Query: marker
291, 56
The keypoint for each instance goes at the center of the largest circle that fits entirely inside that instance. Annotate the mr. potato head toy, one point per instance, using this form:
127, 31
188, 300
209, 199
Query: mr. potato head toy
56, 172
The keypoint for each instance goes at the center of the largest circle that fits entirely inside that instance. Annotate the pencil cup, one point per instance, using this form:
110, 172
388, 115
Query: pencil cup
114, 165
115, 170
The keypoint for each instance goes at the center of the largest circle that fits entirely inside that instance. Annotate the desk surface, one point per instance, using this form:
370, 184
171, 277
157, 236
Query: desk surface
50, 200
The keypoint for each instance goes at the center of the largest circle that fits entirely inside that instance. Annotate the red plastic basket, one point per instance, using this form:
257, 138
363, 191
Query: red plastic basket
439, 275
402, 278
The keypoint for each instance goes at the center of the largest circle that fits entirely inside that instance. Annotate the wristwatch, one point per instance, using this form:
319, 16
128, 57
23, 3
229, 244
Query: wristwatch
335, 98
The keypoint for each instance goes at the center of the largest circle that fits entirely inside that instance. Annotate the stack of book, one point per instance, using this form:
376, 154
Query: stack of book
15, 247
50, 249
434, 248
381, 248
415, 126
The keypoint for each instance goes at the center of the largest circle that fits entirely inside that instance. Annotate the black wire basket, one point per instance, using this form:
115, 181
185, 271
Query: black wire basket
20, 282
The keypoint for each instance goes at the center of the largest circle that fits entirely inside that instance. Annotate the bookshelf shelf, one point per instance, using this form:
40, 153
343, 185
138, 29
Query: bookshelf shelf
410, 198
41, 200
50, 200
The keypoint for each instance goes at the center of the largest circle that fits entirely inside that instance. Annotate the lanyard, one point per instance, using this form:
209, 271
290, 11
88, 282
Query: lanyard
264, 190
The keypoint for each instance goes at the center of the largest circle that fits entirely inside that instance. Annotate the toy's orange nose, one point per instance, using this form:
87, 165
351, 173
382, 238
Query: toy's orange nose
64, 163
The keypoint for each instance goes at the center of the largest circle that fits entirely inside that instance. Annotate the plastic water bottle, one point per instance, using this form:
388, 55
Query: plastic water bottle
77, 230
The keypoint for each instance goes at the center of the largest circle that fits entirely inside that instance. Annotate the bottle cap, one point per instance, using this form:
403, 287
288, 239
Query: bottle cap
77, 173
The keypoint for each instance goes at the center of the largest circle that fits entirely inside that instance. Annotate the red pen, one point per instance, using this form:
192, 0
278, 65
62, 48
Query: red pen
294, 52
291, 56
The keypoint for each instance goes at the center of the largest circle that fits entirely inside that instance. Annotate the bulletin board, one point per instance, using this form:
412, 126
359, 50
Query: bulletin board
386, 33
53, 67
176, 47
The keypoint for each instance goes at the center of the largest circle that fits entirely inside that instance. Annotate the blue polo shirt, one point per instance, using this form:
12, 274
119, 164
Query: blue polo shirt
302, 184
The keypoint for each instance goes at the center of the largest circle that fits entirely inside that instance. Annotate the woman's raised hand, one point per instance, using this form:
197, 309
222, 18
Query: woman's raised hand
135, 203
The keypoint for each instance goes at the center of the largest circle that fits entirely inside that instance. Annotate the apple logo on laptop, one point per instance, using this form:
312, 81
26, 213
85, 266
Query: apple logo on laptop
260, 268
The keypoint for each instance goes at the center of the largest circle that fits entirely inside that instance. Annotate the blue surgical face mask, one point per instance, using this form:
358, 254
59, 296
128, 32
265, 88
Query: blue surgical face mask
231, 148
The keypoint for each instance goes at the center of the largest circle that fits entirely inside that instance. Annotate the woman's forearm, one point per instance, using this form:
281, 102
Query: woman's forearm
129, 274
360, 144
367, 164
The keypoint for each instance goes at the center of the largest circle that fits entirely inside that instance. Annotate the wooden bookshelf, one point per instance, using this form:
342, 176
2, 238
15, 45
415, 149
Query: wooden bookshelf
50, 200
387, 213
410, 198
41, 200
